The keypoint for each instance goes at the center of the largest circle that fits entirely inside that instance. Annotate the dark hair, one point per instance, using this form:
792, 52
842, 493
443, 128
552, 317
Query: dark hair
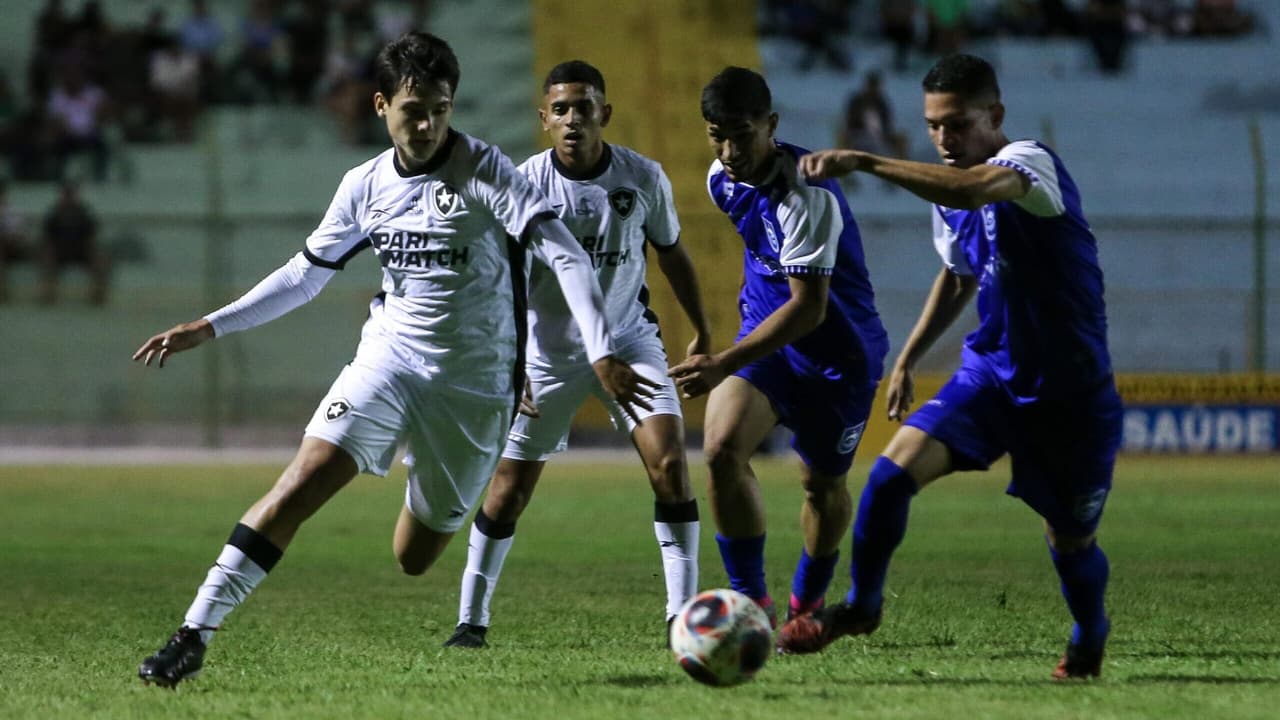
736, 93
413, 60
574, 71
965, 75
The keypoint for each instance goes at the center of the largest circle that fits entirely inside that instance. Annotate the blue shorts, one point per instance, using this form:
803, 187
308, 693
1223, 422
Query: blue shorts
826, 414
1063, 452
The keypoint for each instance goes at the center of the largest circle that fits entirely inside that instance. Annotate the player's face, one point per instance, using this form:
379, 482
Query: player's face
575, 114
744, 146
417, 120
964, 132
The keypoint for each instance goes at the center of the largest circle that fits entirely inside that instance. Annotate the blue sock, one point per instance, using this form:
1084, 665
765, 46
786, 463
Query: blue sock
877, 531
813, 576
1084, 582
744, 562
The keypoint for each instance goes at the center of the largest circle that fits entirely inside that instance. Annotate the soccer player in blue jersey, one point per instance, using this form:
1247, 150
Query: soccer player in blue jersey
809, 352
1035, 376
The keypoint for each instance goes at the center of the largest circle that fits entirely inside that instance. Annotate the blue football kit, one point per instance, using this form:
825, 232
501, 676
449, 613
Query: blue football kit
1035, 376
821, 385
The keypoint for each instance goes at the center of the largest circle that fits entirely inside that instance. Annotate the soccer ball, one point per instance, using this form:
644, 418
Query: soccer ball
721, 637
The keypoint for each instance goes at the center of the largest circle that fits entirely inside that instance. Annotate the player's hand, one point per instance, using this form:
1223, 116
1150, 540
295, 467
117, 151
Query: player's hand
699, 345
902, 392
629, 388
527, 405
698, 374
829, 163
174, 340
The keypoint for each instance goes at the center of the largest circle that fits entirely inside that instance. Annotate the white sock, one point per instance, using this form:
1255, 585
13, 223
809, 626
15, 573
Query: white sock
485, 556
678, 542
230, 580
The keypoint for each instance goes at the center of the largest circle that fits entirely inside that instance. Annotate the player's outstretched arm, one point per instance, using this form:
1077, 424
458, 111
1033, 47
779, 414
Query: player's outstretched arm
291, 285
948, 296
677, 267
948, 186
798, 316
174, 340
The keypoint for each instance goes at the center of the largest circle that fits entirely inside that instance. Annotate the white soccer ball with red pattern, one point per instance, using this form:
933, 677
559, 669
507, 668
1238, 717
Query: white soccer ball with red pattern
721, 637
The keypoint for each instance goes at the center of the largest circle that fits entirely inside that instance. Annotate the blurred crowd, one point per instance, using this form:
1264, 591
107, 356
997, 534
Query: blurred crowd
936, 27
91, 83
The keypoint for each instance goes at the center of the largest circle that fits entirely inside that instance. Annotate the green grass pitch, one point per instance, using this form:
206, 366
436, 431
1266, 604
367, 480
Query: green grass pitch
97, 565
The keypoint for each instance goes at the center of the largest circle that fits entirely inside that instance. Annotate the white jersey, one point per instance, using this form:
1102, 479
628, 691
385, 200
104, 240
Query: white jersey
446, 239
625, 201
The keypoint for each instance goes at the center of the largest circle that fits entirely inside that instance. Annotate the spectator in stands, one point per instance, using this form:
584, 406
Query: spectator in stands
948, 25
1105, 27
10, 122
816, 25
53, 33
202, 35
1036, 18
1221, 18
71, 240
356, 15
898, 23
308, 33
76, 111
13, 247
868, 122
256, 76
346, 86
175, 88
1159, 17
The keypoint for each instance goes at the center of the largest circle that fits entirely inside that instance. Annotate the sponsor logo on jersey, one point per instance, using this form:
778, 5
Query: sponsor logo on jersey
623, 201
584, 207
600, 256
405, 249
849, 439
336, 409
445, 199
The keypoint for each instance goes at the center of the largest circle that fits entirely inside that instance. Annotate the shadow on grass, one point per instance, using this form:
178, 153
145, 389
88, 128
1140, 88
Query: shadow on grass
1199, 679
645, 681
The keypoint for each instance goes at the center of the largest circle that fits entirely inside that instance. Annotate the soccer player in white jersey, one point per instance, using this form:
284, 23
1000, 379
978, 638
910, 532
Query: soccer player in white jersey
614, 201
438, 367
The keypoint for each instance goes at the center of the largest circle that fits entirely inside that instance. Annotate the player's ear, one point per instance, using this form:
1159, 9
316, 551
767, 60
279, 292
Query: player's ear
606, 112
997, 115
380, 104
773, 123
542, 117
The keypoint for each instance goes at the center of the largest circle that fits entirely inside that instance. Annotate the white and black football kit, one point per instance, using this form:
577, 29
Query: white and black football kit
622, 203
437, 365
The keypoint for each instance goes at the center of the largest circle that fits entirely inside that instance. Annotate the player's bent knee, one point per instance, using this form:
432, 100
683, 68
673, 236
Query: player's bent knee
722, 457
413, 566
668, 475
1068, 544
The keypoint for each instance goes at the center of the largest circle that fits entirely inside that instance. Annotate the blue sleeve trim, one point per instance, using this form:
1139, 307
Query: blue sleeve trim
806, 270
1017, 167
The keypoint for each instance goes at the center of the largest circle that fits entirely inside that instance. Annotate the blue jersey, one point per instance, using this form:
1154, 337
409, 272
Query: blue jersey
790, 227
1042, 329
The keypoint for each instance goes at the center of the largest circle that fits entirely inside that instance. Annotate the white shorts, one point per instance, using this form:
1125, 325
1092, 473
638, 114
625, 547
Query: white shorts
453, 436
560, 391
